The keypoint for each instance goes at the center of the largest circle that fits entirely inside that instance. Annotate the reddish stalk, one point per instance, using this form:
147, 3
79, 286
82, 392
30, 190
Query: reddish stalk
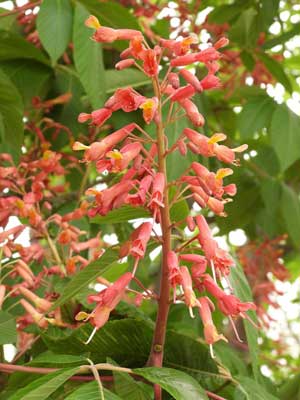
157, 349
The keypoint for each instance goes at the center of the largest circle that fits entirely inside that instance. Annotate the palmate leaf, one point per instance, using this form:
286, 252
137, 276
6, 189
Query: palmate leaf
13, 46
11, 117
88, 59
285, 138
248, 389
122, 214
130, 389
8, 331
180, 385
41, 388
83, 278
290, 209
54, 25
90, 391
243, 292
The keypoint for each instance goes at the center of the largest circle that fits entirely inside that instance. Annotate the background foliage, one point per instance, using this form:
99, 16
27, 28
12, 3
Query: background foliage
259, 104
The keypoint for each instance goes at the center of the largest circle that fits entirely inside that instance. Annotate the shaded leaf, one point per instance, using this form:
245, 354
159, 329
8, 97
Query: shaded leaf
13, 46
290, 209
248, 389
41, 389
11, 117
127, 77
8, 330
256, 114
122, 214
282, 38
88, 59
29, 77
84, 277
243, 292
180, 385
276, 70
90, 391
111, 14
54, 25
129, 389
245, 30
285, 138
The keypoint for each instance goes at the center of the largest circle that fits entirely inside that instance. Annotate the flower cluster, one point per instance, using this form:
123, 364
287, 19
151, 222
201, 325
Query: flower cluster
136, 159
263, 265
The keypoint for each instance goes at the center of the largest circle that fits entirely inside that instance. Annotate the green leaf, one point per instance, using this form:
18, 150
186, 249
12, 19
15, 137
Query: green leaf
127, 77
111, 14
290, 390
28, 76
268, 10
290, 209
88, 59
245, 30
192, 357
180, 385
127, 341
8, 330
41, 389
248, 60
243, 292
86, 276
13, 46
284, 37
122, 214
90, 391
52, 360
54, 25
276, 70
285, 138
11, 117
256, 114
129, 389
226, 12
248, 389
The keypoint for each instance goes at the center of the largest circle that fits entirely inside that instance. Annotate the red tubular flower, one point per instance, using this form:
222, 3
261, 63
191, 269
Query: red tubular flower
42, 305
97, 150
180, 47
107, 300
119, 160
125, 99
149, 108
157, 196
173, 80
2, 294
150, 64
139, 245
109, 35
205, 238
37, 317
227, 303
210, 332
174, 277
183, 93
187, 285
191, 79
139, 198
210, 82
110, 198
97, 117
192, 112
124, 64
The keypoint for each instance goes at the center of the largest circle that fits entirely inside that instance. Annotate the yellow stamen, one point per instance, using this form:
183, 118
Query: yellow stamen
92, 22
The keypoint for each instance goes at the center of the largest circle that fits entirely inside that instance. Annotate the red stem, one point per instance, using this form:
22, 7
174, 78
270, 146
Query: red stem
22, 8
157, 349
